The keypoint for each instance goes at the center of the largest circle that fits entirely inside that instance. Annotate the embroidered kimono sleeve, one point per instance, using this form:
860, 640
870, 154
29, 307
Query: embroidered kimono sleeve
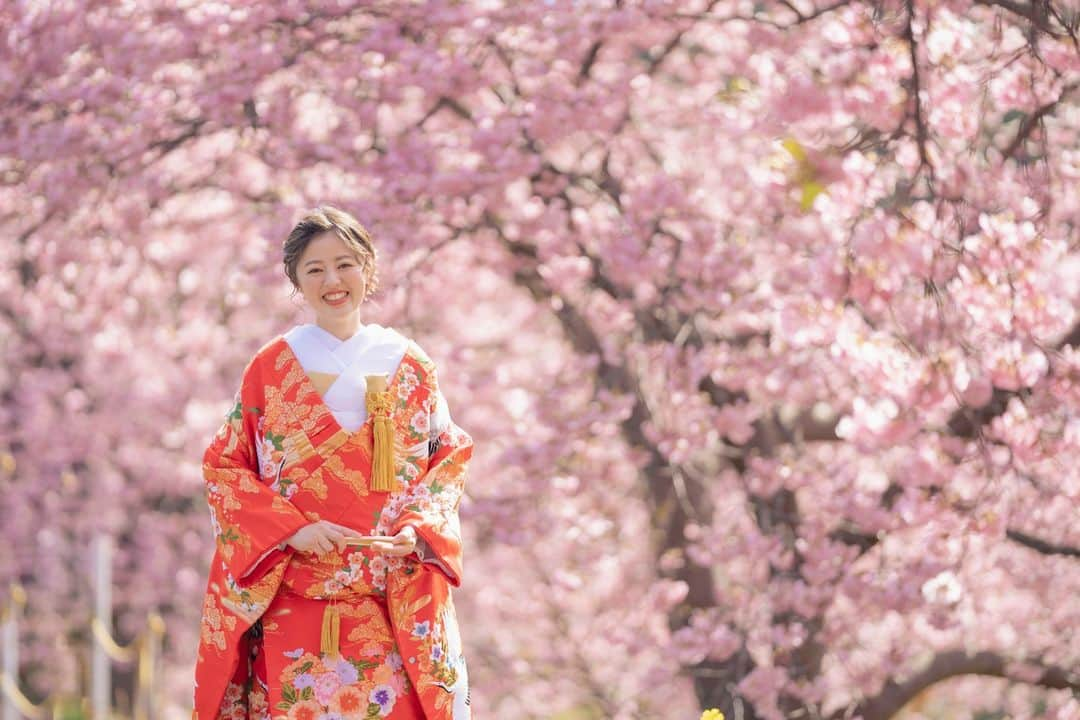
249, 519
434, 509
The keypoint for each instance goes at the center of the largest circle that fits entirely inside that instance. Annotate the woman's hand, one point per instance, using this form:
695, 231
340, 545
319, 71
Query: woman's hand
403, 544
320, 537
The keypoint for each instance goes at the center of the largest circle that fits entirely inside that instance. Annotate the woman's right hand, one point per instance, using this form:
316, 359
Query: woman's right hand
320, 537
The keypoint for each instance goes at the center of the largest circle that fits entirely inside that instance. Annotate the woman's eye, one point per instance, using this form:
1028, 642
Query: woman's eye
312, 271
342, 266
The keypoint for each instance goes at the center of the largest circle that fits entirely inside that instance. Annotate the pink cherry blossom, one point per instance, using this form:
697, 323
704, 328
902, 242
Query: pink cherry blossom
764, 320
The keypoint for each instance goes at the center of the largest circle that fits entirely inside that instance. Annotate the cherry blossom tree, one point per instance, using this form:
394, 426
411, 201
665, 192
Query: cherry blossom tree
763, 315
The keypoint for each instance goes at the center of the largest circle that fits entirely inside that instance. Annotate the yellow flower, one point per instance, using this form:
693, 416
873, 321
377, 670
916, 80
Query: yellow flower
712, 714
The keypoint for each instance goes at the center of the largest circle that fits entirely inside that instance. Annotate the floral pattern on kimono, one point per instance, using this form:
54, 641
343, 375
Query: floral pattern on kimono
281, 461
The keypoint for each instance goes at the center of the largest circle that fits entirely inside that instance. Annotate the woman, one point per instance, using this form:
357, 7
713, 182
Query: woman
333, 487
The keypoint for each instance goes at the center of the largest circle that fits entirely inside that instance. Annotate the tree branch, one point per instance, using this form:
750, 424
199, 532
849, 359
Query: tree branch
1035, 13
1041, 546
1032, 121
921, 135
669, 511
966, 422
800, 17
953, 663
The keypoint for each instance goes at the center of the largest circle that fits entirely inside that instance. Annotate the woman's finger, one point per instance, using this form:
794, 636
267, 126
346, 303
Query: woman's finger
338, 539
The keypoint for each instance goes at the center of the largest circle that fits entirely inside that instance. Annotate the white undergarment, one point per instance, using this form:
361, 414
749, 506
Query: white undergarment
373, 350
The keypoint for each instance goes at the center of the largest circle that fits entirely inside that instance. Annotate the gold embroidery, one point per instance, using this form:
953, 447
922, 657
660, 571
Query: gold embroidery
406, 610
331, 444
352, 477
298, 447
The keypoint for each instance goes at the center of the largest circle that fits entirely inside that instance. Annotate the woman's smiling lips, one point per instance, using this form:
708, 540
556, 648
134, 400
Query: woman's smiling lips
336, 298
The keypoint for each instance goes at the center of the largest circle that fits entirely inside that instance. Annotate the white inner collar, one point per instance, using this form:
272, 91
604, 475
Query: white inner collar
373, 350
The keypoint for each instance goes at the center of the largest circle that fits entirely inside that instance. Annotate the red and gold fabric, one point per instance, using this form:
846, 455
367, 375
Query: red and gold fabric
280, 461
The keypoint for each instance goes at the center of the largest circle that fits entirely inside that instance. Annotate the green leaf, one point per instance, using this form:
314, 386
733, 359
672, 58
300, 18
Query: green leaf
288, 693
306, 666
283, 705
810, 190
307, 694
1013, 114
68, 709
362, 665
435, 487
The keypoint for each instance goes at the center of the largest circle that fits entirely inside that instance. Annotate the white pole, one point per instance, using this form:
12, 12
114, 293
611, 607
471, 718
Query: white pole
9, 638
100, 668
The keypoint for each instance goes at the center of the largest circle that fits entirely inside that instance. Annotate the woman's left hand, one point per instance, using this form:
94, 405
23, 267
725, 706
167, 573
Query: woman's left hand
403, 544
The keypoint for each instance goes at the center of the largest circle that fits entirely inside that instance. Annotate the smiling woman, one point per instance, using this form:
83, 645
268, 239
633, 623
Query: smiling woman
334, 486
330, 259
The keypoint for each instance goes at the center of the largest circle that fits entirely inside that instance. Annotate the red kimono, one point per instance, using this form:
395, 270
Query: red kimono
280, 461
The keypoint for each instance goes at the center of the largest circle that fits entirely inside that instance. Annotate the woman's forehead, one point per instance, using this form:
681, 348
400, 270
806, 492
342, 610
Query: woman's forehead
327, 246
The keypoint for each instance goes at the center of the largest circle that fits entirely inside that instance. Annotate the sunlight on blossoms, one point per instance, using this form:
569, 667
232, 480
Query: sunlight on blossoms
757, 336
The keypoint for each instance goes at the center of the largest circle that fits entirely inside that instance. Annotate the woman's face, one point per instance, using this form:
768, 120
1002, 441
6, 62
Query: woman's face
331, 277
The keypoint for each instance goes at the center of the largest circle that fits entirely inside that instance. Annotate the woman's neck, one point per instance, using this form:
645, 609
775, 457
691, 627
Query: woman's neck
342, 328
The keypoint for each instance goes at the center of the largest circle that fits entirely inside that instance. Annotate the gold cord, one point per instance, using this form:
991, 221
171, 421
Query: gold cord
21, 702
116, 651
331, 632
382, 462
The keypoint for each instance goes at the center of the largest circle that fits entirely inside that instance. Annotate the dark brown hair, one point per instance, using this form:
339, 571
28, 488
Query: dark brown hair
330, 219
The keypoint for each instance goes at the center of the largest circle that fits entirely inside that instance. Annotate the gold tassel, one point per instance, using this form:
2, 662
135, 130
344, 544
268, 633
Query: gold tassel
331, 632
382, 462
